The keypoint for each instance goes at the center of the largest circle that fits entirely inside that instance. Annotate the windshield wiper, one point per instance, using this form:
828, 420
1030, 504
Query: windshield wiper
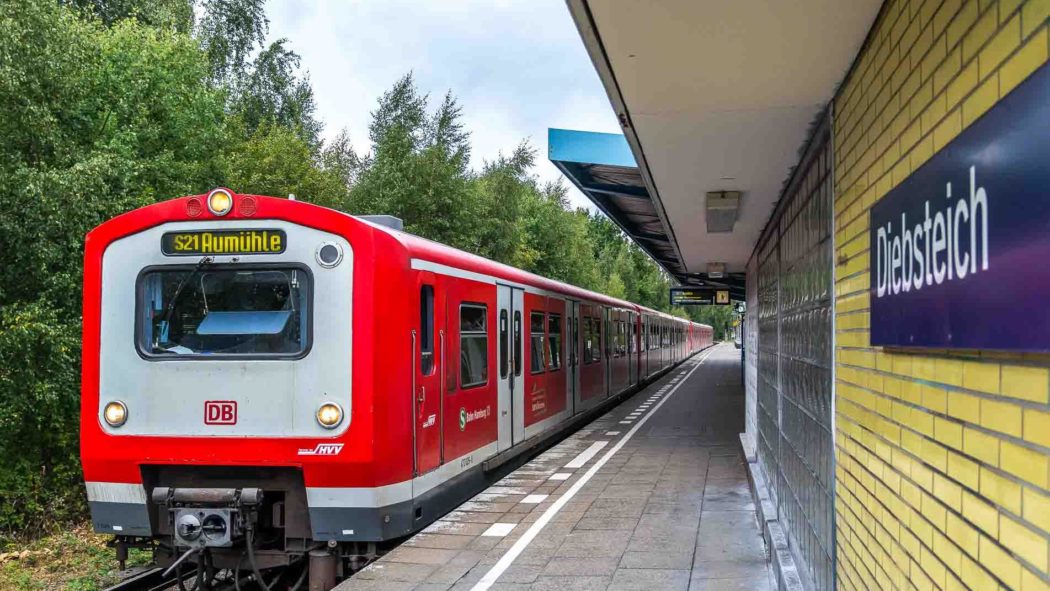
178, 290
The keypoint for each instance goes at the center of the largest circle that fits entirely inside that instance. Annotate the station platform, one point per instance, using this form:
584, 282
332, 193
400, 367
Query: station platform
652, 495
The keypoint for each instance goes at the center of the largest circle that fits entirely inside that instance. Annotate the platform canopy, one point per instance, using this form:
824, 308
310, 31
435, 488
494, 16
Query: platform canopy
602, 167
715, 100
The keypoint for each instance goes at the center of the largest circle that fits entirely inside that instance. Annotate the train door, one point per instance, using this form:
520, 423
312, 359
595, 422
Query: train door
509, 301
607, 346
428, 358
643, 345
632, 347
591, 369
572, 356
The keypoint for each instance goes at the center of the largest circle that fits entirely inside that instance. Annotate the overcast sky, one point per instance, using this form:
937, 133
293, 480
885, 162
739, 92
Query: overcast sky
517, 67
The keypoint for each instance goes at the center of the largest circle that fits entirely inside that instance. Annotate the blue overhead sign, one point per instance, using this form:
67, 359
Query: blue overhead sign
960, 250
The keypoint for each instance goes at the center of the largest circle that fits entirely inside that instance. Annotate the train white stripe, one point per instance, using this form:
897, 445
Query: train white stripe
115, 492
440, 269
389, 494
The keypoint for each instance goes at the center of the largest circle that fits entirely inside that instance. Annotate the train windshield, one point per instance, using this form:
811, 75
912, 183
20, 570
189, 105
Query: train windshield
205, 311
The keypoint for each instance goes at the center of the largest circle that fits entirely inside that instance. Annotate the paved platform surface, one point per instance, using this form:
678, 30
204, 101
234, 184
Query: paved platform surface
653, 495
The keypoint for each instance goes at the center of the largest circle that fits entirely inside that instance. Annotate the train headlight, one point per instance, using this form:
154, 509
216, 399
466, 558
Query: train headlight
220, 202
329, 415
116, 413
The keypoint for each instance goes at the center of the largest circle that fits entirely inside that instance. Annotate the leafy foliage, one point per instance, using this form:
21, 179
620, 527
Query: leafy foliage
273, 94
98, 120
108, 105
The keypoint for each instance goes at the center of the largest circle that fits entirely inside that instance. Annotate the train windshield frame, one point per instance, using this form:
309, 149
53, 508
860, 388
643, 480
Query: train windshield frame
212, 312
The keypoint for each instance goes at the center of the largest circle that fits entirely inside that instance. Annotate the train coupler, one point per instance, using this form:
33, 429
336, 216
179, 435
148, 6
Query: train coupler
208, 517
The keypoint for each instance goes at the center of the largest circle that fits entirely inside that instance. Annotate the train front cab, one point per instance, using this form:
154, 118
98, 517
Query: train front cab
218, 357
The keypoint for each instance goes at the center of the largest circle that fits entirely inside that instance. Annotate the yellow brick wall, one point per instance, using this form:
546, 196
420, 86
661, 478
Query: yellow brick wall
942, 457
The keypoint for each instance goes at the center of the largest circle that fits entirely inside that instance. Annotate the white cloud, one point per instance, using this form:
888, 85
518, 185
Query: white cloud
516, 67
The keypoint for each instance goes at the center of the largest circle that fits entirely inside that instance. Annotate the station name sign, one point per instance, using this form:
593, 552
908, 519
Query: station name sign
699, 296
961, 248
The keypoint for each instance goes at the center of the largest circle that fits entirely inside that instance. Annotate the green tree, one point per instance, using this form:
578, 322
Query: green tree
229, 32
174, 14
556, 242
96, 121
419, 169
276, 160
272, 93
502, 187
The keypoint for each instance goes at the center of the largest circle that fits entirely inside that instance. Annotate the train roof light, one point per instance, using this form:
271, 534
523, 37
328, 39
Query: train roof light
220, 201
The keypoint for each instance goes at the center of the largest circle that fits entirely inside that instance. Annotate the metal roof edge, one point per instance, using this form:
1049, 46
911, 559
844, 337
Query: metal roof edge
581, 15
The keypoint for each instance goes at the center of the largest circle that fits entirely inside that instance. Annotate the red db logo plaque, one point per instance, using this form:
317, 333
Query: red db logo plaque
220, 412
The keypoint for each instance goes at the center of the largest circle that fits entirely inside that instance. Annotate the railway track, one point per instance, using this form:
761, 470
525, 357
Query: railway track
154, 579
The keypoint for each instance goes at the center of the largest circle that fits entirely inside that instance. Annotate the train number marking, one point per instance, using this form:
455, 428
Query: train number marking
466, 461
220, 412
322, 449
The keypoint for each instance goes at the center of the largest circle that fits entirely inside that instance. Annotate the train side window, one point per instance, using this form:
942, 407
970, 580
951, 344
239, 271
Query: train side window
574, 342
597, 339
473, 345
554, 341
517, 342
588, 341
621, 338
629, 327
504, 344
426, 330
592, 340
536, 335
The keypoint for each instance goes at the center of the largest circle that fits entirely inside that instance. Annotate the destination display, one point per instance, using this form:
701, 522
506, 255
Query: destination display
698, 296
960, 249
213, 242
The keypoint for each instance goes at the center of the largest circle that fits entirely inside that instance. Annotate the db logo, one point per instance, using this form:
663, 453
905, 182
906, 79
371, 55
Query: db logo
220, 412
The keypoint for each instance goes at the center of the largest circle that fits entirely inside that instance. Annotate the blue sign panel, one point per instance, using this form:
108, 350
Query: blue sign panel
960, 250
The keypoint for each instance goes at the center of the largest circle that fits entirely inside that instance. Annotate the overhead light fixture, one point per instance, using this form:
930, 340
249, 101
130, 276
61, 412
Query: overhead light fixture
716, 270
721, 210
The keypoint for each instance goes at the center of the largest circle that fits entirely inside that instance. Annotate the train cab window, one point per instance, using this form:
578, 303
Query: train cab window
504, 344
473, 345
554, 341
426, 330
205, 312
536, 361
517, 343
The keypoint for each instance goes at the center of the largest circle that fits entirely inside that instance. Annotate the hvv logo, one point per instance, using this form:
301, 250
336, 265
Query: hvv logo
322, 449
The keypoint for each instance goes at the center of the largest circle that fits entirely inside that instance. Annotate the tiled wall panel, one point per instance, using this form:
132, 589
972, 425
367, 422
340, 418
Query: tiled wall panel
794, 408
943, 457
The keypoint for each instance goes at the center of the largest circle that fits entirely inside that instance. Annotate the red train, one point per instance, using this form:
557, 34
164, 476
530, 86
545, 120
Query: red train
267, 375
